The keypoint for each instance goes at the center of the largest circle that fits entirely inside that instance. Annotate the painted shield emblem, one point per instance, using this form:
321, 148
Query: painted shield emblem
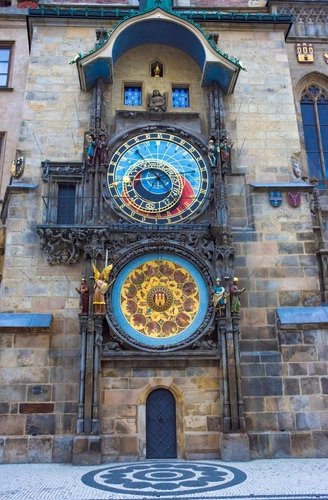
293, 199
275, 198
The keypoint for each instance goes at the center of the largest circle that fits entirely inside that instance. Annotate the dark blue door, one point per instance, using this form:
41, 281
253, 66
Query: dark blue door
161, 441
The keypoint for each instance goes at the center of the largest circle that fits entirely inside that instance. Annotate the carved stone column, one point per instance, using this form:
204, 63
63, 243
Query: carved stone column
87, 444
240, 402
98, 338
81, 407
224, 361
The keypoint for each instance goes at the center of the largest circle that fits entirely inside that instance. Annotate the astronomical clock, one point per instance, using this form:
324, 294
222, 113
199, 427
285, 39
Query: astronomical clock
159, 183
158, 178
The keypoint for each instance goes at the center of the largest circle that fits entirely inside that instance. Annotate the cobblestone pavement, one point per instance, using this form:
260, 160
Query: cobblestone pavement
280, 479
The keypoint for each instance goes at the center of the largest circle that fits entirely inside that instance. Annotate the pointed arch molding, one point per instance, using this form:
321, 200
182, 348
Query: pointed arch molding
158, 27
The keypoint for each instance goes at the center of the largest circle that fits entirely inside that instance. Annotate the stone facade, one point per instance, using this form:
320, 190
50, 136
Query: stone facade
13, 28
196, 386
249, 387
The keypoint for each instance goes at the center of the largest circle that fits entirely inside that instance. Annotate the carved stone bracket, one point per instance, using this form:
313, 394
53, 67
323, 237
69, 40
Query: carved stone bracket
62, 245
51, 169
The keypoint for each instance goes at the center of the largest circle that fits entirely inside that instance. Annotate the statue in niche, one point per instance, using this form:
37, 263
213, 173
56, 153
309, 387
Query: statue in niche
234, 294
156, 70
225, 147
156, 101
212, 151
101, 286
219, 297
84, 296
91, 146
101, 150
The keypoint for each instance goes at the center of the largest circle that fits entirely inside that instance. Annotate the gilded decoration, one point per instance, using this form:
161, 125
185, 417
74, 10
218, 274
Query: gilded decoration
159, 298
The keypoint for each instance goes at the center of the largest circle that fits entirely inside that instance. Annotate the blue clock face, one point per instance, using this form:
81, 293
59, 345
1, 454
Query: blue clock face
158, 178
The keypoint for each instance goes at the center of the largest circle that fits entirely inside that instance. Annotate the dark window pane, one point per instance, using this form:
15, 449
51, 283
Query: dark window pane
323, 113
324, 137
326, 164
311, 139
314, 165
66, 204
308, 114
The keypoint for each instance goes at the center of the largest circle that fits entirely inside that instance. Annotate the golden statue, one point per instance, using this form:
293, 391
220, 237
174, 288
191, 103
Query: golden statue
100, 288
157, 71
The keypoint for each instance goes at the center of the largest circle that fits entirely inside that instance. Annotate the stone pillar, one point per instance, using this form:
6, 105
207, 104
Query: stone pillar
87, 445
234, 442
240, 402
226, 401
98, 338
83, 332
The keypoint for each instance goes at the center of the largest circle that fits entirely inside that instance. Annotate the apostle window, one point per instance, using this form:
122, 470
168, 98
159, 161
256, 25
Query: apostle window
132, 95
66, 203
180, 97
66, 200
5, 57
314, 108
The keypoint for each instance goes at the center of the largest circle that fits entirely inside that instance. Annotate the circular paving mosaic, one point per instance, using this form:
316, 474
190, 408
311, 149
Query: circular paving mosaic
160, 478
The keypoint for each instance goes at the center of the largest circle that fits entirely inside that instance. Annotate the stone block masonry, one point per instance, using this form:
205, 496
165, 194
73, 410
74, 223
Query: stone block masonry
38, 399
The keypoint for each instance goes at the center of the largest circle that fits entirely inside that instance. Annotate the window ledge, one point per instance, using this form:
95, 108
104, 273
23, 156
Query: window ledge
7, 89
16, 187
282, 186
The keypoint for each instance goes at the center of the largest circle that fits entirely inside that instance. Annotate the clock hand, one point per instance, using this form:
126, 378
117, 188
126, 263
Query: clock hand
143, 158
187, 171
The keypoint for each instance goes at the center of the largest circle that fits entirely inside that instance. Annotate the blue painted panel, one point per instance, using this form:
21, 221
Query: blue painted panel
180, 98
132, 96
25, 320
305, 315
214, 72
98, 68
163, 32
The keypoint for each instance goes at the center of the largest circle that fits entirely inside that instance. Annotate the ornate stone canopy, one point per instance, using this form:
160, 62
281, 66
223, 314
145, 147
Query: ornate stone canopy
161, 27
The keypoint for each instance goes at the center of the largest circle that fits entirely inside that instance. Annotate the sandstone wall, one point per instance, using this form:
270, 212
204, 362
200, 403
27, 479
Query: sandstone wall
285, 395
38, 394
196, 387
11, 99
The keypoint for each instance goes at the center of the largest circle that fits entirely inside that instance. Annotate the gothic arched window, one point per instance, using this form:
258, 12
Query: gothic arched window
314, 108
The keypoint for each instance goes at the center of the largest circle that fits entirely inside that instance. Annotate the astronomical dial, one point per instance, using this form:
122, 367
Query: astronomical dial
158, 178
